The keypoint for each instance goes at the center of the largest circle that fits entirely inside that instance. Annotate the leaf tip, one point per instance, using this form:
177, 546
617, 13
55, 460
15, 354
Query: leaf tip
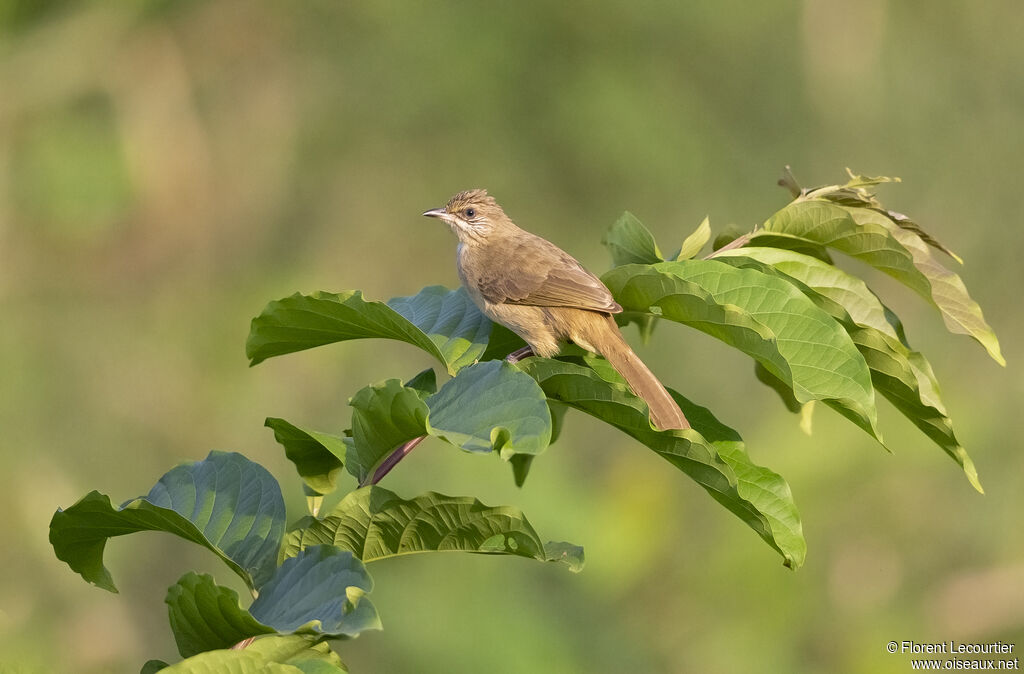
972, 473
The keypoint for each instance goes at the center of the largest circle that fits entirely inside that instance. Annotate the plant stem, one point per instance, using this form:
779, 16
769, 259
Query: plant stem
392, 460
735, 243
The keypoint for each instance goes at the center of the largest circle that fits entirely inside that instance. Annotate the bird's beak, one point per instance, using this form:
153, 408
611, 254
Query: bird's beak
439, 213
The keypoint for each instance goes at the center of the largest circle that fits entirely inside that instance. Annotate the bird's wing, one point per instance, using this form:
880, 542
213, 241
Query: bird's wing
539, 273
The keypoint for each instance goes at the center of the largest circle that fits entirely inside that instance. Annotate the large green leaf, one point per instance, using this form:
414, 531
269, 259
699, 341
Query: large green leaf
716, 461
310, 654
848, 291
383, 416
444, 323
318, 591
225, 503
630, 242
451, 320
318, 457
230, 662
763, 316
205, 616
375, 523
270, 654
871, 236
491, 406
903, 376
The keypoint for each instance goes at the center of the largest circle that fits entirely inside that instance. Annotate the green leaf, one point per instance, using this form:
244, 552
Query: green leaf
444, 323
451, 320
383, 416
630, 242
491, 406
763, 316
375, 523
849, 292
502, 342
764, 489
695, 242
424, 382
153, 666
717, 462
318, 591
521, 464
961, 314
782, 388
903, 222
205, 616
870, 236
784, 241
270, 654
225, 503
308, 653
318, 457
897, 373
903, 376
230, 662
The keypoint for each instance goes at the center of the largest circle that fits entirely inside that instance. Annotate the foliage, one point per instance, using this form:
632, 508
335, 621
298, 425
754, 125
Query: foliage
814, 331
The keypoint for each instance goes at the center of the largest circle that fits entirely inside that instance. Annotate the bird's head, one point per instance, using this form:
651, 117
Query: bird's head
473, 215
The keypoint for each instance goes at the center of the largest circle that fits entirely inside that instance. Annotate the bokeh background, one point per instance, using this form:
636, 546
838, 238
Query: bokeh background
166, 168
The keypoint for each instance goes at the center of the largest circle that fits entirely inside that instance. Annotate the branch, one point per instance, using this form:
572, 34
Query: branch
738, 242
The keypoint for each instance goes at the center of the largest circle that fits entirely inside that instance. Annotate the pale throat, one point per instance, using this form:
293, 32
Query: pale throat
468, 234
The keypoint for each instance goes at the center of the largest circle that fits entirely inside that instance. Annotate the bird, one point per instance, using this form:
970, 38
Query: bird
544, 295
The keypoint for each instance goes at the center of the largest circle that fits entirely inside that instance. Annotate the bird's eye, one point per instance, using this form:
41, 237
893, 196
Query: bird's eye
470, 212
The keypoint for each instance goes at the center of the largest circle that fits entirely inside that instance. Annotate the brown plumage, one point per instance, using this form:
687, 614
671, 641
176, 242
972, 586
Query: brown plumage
541, 293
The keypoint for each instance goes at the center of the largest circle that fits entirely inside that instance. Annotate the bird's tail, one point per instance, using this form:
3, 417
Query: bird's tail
665, 413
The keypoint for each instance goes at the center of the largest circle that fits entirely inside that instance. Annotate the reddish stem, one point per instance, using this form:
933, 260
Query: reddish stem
392, 460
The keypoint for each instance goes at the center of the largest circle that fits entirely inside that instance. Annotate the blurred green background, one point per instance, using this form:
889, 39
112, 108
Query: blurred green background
166, 168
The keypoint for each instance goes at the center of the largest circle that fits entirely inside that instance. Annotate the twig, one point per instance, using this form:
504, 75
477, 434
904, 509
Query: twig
392, 460
735, 243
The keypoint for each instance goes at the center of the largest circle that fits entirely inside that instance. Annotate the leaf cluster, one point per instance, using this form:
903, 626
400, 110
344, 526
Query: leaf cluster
815, 333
